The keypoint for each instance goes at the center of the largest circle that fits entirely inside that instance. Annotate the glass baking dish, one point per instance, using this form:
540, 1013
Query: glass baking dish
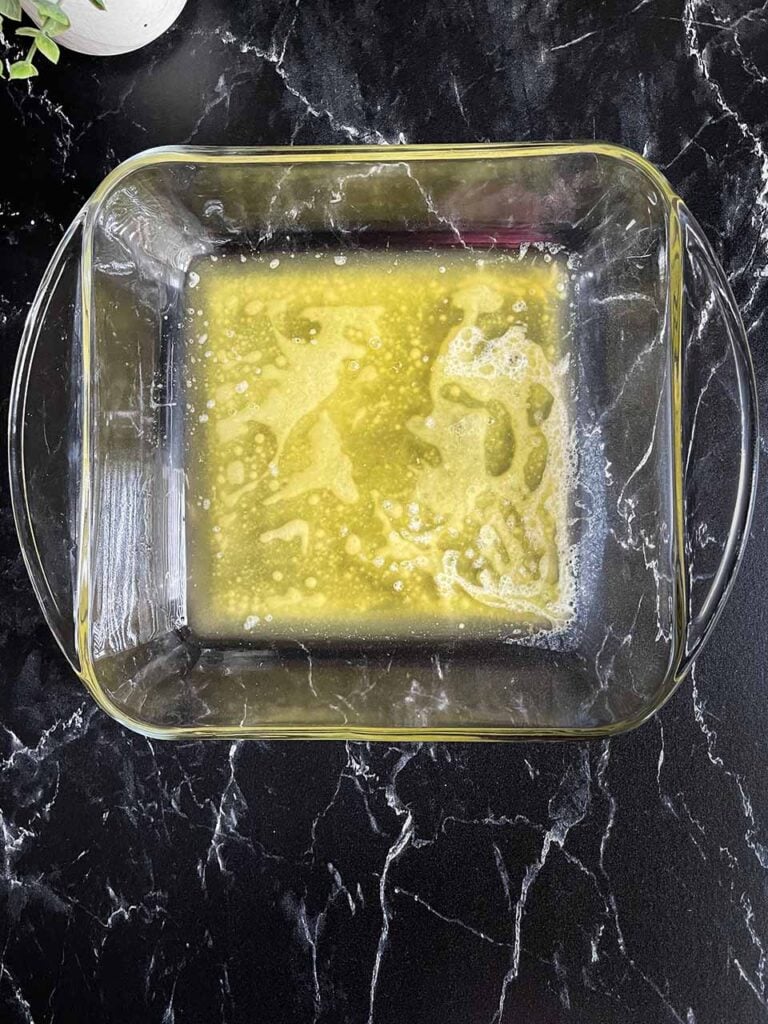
102, 467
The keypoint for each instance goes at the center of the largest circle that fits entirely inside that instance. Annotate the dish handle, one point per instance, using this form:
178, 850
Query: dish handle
703, 269
44, 439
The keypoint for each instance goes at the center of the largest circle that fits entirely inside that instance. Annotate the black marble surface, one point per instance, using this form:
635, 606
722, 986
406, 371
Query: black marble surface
621, 881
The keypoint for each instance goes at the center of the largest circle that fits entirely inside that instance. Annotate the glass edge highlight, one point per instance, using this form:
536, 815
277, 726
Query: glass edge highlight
312, 154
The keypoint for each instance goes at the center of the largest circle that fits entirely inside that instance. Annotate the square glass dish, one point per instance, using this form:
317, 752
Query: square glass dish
381, 442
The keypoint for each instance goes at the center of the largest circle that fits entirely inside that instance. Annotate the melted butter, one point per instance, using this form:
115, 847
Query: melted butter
377, 445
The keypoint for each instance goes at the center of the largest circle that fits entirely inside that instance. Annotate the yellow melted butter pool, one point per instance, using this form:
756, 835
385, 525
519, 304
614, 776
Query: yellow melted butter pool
377, 444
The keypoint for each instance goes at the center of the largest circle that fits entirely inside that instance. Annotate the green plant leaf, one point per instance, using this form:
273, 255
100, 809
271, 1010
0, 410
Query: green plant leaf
46, 9
28, 31
48, 48
100, 4
11, 9
22, 69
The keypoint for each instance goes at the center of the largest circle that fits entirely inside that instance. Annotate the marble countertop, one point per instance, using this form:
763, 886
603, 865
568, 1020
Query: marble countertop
618, 881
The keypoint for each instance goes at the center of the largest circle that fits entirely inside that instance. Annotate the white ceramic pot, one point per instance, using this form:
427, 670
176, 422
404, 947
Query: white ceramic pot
124, 26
